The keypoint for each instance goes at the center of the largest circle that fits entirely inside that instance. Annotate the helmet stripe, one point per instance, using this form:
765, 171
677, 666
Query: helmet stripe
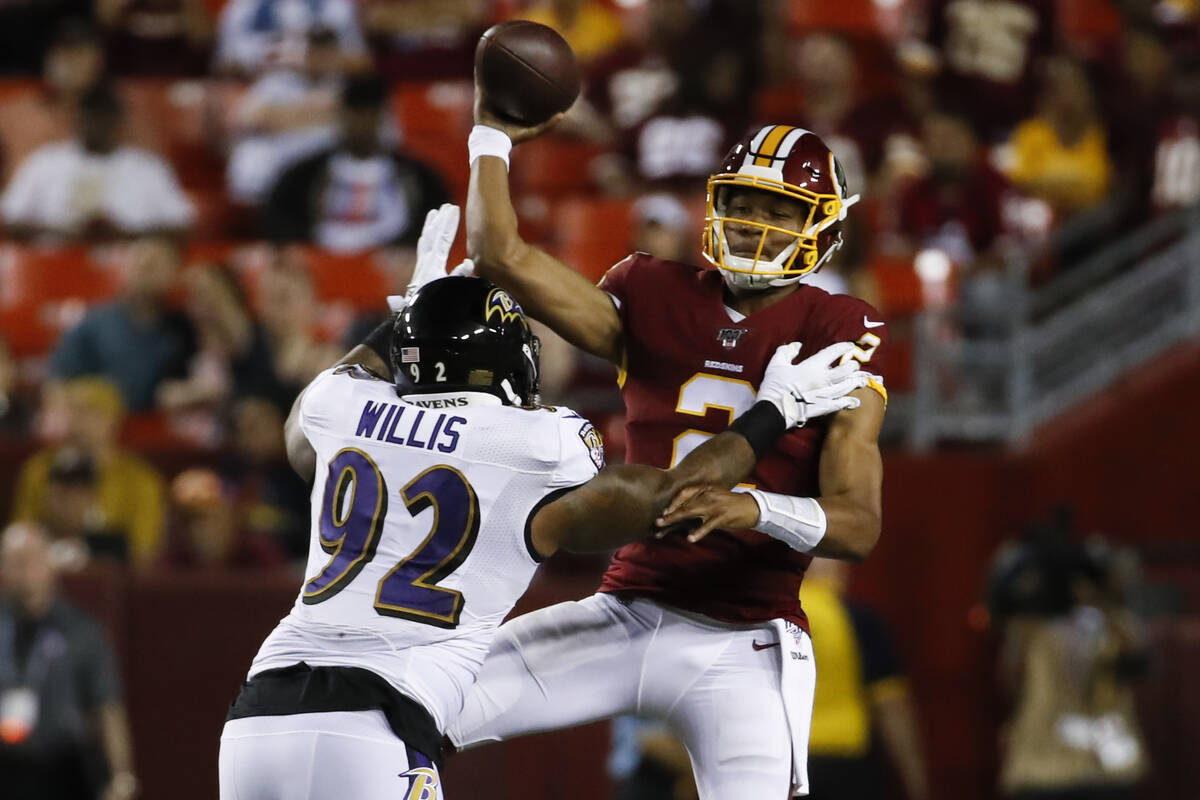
785, 147
765, 154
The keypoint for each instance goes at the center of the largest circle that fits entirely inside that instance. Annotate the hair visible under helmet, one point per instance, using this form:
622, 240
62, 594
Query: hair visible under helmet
788, 161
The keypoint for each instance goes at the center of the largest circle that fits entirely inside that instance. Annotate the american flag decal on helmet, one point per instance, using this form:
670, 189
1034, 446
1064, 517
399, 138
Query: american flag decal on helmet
410, 355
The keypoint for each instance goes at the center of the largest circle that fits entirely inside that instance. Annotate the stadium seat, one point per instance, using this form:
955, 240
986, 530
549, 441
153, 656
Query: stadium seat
434, 120
553, 166
1090, 25
900, 292
43, 292
188, 127
361, 278
593, 233
848, 16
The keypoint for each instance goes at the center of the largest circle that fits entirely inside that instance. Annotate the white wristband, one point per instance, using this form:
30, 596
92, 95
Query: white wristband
798, 522
485, 141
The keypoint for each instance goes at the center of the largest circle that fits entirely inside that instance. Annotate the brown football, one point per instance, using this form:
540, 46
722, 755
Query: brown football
526, 71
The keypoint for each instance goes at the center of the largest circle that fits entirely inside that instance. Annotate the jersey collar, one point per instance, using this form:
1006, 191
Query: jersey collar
451, 399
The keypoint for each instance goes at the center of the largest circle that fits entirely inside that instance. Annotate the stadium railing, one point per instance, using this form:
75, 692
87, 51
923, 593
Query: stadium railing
994, 376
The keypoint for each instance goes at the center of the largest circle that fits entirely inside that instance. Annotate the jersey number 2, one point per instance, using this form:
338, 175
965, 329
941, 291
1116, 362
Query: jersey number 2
354, 506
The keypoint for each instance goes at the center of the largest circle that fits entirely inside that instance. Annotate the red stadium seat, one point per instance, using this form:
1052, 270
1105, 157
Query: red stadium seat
900, 292
849, 16
43, 292
1089, 24
434, 120
593, 233
188, 125
553, 166
363, 279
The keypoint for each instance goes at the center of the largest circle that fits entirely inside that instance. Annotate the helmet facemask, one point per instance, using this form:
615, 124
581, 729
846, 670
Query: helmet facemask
811, 245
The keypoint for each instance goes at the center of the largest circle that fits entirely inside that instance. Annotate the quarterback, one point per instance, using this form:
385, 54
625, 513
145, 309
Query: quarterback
439, 483
703, 630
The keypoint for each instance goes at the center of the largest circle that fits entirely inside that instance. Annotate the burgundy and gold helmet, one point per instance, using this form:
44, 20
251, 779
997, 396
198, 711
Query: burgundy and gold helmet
792, 162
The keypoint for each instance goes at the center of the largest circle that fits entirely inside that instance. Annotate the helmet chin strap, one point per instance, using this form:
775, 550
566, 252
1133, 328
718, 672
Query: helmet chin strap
513, 399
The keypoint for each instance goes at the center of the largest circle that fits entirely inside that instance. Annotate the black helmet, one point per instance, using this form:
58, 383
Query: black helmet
465, 334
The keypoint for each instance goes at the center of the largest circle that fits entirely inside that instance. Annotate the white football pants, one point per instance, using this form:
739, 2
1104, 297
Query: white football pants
717, 686
334, 755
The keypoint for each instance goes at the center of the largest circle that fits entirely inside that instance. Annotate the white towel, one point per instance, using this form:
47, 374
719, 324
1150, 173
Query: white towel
798, 682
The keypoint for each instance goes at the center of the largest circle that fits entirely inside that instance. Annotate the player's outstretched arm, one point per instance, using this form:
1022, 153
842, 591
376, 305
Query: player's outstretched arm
371, 354
548, 289
843, 523
621, 503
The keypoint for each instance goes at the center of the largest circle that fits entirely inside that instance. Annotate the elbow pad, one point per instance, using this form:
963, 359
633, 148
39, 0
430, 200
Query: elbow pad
798, 522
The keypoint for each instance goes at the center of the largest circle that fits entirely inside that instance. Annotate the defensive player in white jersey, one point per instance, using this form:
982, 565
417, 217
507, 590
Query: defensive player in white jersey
439, 484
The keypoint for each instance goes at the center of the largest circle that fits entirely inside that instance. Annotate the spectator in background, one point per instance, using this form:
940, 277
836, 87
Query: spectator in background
1070, 653
157, 37
1176, 181
8, 388
676, 146
257, 35
286, 116
137, 340
33, 116
828, 77
27, 27
357, 195
206, 530
958, 205
626, 86
93, 186
662, 227
592, 28
234, 357
74, 63
986, 56
271, 500
1061, 155
862, 693
1133, 90
71, 512
87, 486
422, 40
289, 314
62, 711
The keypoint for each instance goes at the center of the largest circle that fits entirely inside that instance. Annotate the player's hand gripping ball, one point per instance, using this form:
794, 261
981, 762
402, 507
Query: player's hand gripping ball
525, 73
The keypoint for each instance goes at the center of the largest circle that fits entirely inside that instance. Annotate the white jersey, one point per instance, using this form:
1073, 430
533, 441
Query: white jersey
420, 538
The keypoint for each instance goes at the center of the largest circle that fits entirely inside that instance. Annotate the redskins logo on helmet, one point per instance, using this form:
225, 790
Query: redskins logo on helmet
792, 162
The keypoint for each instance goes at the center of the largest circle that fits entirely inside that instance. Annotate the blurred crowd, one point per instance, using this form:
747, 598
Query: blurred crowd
219, 194
205, 202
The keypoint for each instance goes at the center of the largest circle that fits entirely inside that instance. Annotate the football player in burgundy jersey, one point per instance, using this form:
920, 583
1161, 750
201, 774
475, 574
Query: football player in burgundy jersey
704, 629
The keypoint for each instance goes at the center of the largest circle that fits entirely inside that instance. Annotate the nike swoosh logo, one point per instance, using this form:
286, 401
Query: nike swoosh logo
758, 646
870, 324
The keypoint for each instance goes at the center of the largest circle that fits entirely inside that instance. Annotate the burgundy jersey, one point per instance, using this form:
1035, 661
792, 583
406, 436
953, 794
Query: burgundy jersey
689, 370
992, 51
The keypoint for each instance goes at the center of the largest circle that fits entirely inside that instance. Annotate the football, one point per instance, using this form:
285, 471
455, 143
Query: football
527, 72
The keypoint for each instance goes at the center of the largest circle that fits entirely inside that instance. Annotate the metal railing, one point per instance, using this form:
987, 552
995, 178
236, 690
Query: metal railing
994, 370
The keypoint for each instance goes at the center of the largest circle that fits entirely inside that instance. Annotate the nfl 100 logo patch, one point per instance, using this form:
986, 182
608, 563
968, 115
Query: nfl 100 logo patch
729, 337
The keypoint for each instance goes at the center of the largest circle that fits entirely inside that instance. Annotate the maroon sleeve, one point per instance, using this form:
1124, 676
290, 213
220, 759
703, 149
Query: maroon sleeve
852, 320
617, 283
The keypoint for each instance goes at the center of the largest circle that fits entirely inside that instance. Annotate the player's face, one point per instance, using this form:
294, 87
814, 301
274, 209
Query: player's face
767, 208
